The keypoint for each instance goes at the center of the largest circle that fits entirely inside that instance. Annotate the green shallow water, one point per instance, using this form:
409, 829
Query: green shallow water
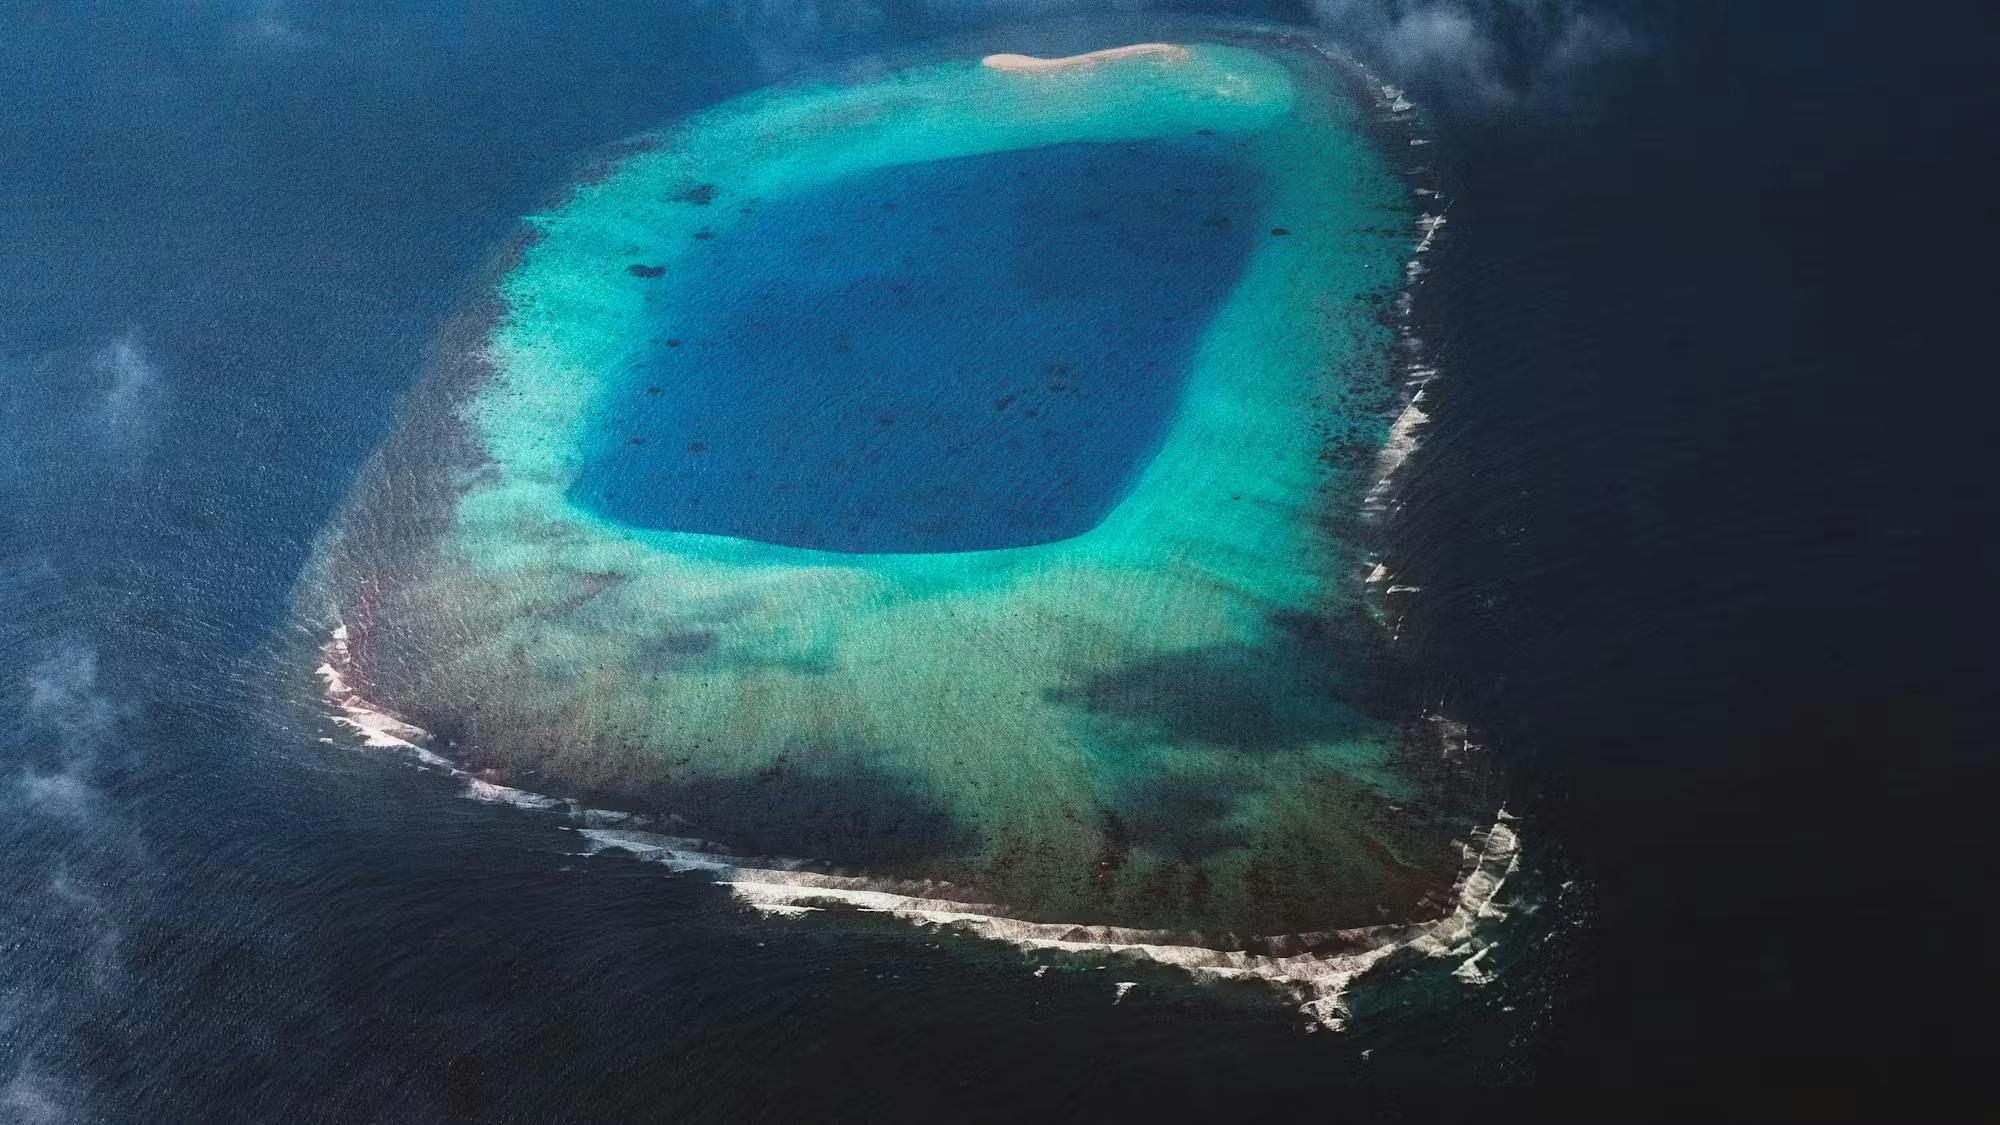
1161, 721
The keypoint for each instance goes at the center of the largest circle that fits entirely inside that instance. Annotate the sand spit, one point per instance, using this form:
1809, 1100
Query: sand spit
1318, 980
1033, 64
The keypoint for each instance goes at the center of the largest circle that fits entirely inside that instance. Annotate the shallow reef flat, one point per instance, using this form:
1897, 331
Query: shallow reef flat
950, 477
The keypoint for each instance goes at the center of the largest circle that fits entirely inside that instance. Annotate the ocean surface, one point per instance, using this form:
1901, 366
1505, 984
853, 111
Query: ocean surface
1699, 521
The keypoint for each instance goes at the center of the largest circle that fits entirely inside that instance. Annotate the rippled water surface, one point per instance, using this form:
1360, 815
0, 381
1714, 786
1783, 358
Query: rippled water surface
1701, 467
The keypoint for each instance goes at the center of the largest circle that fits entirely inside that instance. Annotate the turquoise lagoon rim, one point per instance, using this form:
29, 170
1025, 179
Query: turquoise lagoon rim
1184, 699
456, 365
936, 113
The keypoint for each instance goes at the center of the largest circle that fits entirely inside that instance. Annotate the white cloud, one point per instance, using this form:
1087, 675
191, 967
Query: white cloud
65, 701
133, 394
1587, 40
1490, 50
87, 851
63, 696
65, 793
31, 1098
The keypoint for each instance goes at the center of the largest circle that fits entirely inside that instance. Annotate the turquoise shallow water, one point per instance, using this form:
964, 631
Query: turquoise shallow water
952, 475
955, 355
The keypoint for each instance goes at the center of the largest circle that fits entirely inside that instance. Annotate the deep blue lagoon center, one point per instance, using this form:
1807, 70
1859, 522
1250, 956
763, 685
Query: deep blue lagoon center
957, 355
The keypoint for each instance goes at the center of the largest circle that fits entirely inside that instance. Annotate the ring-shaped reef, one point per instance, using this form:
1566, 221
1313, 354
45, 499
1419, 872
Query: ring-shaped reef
947, 477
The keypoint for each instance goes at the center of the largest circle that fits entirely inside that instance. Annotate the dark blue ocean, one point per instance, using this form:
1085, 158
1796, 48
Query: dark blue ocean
1702, 519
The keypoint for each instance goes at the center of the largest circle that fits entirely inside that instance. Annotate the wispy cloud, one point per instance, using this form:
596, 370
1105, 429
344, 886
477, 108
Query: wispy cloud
1586, 40
65, 793
64, 703
63, 697
132, 393
1481, 50
72, 722
31, 1097
267, 21
1489, 50
71, 827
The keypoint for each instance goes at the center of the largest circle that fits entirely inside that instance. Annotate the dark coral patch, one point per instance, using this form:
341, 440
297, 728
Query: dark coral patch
639, 269
1279, 696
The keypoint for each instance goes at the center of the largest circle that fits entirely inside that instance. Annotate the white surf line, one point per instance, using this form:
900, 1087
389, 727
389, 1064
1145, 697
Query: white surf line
1430, 224
1397, 449
1469, 970
1320, 980
378, 728
1402, 441
788, 887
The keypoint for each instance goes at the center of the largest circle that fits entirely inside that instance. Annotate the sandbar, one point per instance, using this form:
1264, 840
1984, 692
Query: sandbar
1090, 58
